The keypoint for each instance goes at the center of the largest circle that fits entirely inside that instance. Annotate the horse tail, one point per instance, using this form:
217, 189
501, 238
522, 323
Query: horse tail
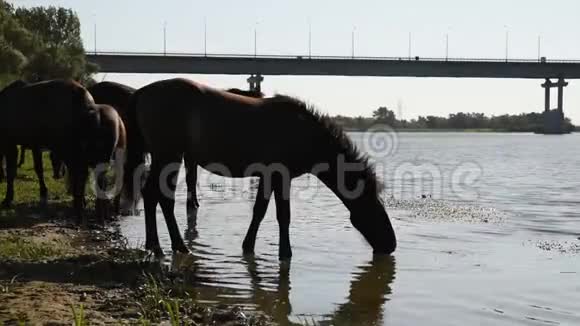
134, 154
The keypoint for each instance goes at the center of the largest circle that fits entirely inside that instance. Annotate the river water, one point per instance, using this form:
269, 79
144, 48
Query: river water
488, 228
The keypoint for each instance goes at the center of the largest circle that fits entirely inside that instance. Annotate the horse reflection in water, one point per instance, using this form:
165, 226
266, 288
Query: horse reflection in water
274, 303
370, 289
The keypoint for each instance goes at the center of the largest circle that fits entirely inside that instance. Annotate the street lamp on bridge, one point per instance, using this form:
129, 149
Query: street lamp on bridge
410, 45
447, 43
309, 38
165, 38
95, 32
447, 46
256, 39
205, 36
352, 40
540, 47
507, 41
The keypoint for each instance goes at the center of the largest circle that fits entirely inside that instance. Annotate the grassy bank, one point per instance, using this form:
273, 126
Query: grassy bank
52, 272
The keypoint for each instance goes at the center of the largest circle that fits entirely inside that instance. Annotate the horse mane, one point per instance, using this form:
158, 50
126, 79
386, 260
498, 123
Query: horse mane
336, 138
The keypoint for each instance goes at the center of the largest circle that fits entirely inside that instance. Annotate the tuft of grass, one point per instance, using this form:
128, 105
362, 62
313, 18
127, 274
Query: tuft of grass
151, 299
78, 315
172, 308
14, 247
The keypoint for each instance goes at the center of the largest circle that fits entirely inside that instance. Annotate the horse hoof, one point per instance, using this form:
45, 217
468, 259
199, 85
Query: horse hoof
248, 256
181, 249
286, 256
247, 250
43, 202
155, 249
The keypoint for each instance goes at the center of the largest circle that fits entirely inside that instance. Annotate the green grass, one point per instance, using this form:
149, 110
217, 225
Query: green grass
14, 247
78, 315
172, 308
26, 190
171, 302
27, 195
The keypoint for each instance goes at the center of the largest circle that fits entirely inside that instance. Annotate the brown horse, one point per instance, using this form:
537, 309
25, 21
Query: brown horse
276, 139
59, 115
117, 96
114, 94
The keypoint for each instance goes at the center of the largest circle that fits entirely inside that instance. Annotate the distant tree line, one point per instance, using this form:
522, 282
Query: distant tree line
525, 122
41, 43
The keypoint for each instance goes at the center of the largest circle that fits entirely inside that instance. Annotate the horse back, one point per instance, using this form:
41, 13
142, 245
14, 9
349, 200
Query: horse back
114, 94
183, 117
41, 112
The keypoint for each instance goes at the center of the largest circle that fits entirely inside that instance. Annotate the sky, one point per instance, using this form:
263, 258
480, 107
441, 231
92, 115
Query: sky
475, 29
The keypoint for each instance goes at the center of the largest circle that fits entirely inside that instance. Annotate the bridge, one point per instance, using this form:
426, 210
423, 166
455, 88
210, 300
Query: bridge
259, 65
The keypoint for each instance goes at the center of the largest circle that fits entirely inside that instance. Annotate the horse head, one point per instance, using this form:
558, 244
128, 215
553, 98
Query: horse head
104, 133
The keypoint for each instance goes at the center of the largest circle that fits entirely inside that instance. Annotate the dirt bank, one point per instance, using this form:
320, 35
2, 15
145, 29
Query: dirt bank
53, 273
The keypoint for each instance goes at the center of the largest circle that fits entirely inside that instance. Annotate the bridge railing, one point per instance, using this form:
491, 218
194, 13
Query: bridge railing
327, 57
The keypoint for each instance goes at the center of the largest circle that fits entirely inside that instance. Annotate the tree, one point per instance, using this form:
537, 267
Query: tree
384, 115
41, 43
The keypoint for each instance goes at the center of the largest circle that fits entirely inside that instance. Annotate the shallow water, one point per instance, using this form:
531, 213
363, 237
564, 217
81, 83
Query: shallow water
495, 241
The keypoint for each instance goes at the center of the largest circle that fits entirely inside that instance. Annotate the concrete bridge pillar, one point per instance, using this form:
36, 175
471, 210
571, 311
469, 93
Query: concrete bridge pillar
547, 85
255, 82
561, 84
553, 120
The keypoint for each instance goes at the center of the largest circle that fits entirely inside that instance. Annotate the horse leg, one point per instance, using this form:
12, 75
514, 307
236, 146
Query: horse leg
192, 203
22, 156
2, 175
102, 204
281, 196
259, 211
11, 158
38, 168
150, 199
168, 180
79, 175
191, 180
57, 166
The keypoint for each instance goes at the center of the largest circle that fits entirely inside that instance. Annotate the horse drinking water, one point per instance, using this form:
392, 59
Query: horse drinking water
276, 139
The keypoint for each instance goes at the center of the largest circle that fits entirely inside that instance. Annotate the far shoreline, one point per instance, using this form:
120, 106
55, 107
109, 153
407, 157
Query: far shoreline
454, 130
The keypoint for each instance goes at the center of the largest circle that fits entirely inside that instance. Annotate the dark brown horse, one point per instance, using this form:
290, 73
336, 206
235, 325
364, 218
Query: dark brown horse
59, 115
113, 94
36, 154
276, 139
